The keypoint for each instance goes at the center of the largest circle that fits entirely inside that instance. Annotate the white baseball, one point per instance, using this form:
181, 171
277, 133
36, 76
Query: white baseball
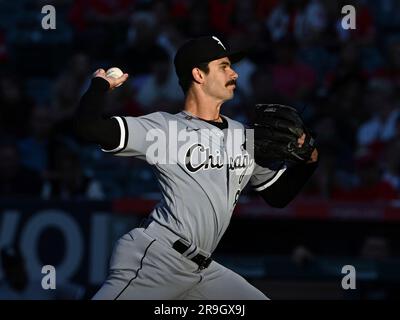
114, 73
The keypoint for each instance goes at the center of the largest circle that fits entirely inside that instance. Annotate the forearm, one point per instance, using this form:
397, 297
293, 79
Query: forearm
89, 122
285, 189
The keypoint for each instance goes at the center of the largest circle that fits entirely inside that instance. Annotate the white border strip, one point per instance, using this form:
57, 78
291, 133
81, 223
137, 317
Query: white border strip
123, 133
271, 182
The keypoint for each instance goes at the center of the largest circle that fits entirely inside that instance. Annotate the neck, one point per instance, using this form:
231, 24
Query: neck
203, 106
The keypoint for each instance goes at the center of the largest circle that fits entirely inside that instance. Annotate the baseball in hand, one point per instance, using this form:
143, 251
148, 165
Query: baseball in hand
114, 73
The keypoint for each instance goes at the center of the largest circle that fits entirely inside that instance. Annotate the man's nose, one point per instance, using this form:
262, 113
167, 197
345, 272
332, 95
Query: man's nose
234, 75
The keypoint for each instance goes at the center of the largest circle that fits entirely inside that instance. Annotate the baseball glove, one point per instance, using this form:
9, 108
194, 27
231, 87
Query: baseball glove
276, 131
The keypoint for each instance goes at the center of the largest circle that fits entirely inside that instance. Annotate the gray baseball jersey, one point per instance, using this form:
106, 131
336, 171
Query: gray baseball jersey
200, 191
201, 171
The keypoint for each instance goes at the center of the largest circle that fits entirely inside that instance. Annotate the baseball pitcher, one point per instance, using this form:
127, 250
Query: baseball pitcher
202, 160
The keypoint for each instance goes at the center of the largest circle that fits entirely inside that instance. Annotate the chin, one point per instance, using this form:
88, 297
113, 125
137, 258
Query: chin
230, 96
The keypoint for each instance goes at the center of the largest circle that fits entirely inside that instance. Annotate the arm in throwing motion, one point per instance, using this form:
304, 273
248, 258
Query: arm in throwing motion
89, 123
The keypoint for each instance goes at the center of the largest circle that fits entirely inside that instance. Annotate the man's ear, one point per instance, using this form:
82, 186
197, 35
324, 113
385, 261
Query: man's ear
198, 75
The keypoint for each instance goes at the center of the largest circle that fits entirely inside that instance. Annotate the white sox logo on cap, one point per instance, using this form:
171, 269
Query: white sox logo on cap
219, 42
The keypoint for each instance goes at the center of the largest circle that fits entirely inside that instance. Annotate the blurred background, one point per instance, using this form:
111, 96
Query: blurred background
64, 203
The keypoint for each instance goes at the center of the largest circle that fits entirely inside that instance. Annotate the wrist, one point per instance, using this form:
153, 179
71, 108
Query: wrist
100, 84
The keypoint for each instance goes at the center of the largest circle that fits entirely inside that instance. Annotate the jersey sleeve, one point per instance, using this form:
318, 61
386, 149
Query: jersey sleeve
138, 134
262, 177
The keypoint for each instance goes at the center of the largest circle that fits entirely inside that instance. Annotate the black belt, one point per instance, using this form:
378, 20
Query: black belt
202, 261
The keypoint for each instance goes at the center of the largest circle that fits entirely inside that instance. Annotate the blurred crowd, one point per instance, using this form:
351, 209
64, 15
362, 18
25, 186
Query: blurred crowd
345, 82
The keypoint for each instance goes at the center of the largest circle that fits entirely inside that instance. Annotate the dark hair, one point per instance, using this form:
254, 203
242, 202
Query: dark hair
186, 81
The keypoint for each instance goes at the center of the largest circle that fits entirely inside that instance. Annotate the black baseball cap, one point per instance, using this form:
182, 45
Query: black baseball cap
200, 50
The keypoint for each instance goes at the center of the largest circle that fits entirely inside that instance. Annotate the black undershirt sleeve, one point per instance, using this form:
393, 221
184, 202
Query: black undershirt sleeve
289, 184
90, 124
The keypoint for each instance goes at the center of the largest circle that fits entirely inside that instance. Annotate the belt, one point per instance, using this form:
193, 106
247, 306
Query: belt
202, 261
